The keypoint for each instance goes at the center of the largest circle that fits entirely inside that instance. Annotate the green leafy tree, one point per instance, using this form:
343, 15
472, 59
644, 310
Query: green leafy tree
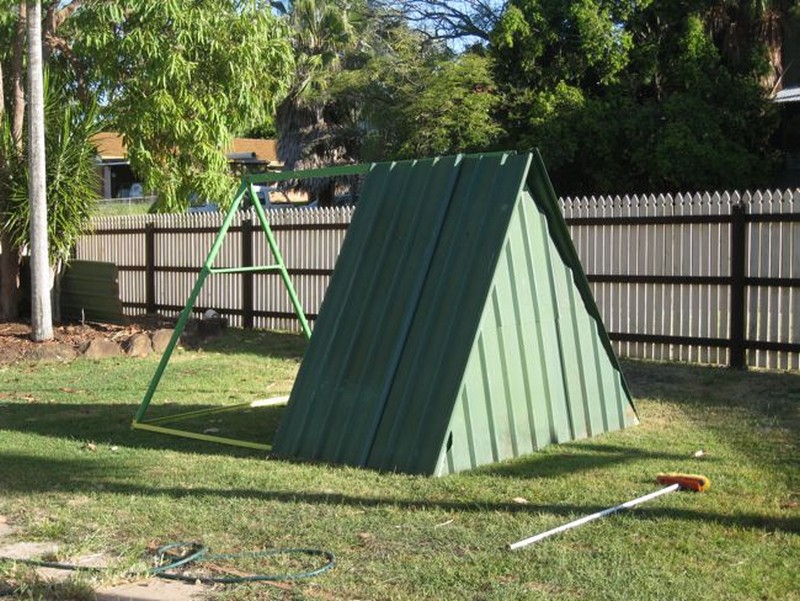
72, 181
750, 35
180, 79
709, 120
451, 109
445, 106
635, 99
12, 112
541, 43
414, 98
177, 78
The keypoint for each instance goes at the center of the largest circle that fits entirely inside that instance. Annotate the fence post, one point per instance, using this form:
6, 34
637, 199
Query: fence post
247, 276
150, 267
738, 250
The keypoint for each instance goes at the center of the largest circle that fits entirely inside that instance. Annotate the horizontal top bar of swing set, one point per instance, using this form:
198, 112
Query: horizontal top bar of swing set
245, 269
260, 178
341, 170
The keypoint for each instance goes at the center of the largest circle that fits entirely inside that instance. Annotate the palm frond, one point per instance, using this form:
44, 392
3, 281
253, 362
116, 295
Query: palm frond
72, 182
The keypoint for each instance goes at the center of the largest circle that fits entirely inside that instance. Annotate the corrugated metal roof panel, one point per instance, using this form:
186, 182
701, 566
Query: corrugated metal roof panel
369, 304
537, 373
450, 307
458, 328
90, 290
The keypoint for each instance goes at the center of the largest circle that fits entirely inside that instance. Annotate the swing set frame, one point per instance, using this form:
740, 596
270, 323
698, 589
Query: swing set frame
245, 190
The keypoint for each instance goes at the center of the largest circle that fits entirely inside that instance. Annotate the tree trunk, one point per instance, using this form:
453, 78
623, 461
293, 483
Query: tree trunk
5, 246
41, 311
2, 93
9, 261
17, 78
9, 279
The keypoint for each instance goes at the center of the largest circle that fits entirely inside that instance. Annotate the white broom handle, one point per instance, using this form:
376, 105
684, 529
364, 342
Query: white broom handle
574, 524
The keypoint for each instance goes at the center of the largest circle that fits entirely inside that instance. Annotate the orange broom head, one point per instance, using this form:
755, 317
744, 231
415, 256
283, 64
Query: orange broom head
693, 482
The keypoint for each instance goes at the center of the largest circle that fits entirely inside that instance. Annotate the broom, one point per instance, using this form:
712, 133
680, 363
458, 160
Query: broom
691, 482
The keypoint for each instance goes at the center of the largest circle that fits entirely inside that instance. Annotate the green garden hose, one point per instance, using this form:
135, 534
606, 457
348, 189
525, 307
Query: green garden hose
198, 554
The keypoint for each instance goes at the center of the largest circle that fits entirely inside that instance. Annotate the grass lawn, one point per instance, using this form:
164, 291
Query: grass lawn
132, 206
72, 471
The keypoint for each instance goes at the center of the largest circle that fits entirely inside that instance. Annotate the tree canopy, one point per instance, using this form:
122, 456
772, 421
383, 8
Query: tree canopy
177, 78
619, 96
311, 131
635, 96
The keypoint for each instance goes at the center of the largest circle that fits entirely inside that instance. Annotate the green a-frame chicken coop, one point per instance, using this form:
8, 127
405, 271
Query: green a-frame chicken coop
458, 328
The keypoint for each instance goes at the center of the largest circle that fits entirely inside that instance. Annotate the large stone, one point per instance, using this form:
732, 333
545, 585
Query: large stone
161, 339
52, 351
102, 348
138, 345
28, 550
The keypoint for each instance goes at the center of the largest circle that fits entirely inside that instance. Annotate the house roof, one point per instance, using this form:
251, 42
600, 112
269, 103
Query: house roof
110, 146
261, 149
788, 95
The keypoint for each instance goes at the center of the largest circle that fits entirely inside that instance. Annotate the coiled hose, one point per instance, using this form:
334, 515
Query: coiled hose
198, 554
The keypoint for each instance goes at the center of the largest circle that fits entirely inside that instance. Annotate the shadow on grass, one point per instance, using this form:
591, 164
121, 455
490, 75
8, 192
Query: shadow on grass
773, 394
111, 424
574, 458
772, 398
725, 400
46, 475
280, 345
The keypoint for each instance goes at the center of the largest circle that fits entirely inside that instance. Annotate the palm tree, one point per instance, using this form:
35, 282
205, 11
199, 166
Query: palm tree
72, 185
41, 308
310, 132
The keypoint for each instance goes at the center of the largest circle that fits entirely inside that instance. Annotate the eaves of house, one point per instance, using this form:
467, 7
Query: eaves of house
252, 151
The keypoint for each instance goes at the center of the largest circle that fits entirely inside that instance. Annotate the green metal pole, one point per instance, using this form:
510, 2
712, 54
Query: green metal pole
187, 310
276, 253
340, 171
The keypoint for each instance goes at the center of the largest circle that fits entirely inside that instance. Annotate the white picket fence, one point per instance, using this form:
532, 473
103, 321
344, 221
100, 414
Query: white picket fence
693, 250
612, 246
308, 239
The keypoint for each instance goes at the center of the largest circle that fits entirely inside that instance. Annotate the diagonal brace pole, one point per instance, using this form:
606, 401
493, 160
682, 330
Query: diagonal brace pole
187, 310
280, 264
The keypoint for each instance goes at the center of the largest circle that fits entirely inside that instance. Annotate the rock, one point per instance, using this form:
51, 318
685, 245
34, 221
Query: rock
138, 345
161, 339
102, 348
28, 550
155, 590
57, 351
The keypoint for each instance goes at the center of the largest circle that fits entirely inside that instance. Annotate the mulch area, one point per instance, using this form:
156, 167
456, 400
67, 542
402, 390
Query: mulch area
16, 344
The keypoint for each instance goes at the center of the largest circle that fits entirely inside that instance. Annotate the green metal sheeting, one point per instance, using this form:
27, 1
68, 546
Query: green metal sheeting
90, 290
458, 328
